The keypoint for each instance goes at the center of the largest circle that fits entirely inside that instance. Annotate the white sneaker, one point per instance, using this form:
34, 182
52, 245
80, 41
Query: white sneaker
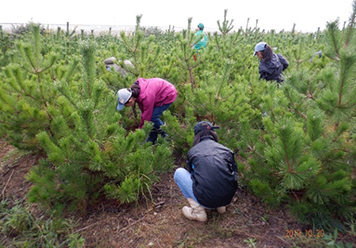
195, 212
221, 210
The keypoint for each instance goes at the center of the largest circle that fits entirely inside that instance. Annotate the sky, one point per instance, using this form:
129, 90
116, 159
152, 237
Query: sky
307, 15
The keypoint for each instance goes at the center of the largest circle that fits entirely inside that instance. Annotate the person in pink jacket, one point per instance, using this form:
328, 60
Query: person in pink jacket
153, 96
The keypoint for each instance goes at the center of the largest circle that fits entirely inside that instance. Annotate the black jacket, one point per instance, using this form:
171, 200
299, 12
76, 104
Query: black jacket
272, 69
214, 172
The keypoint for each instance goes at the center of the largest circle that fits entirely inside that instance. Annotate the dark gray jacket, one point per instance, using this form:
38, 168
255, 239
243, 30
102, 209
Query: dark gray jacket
214, 172
272, 69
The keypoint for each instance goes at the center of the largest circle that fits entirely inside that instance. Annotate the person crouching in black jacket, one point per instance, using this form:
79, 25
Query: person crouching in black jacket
211, 179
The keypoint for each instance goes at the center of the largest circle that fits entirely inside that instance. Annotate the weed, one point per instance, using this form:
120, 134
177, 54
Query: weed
352, 225
251, 242
307, 242
20, 228
265, 218
333, 243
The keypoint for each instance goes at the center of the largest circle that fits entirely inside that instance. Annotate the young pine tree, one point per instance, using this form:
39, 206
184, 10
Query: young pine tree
305, 153
226, 26
143, 52
90, 152
27, 92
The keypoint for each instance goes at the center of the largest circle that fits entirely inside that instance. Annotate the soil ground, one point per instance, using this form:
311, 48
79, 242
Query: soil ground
160, 223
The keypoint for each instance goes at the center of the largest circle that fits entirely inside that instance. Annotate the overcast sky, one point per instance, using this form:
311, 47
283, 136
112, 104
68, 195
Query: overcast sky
308, 15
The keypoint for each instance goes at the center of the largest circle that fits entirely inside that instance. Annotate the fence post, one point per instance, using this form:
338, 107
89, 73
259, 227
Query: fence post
58, 32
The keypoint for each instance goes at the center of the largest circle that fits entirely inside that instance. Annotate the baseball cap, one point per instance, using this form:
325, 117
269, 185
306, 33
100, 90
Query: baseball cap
201, 25
260, 47
123, 95
204, 125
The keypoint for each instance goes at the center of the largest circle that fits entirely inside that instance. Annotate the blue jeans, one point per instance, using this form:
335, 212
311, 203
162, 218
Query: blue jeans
184, 181
157, 112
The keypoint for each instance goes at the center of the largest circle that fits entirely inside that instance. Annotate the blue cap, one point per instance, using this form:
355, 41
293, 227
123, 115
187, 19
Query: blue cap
260, 47
201, 26
204, 125
123, 96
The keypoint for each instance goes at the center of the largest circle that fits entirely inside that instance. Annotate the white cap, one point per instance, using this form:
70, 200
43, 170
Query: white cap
260, 47
123, 95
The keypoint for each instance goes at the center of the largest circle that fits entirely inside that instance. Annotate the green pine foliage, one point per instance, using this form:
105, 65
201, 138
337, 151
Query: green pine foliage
90, 151
6, 46
143, 51
25, 94
294, 143
307, 149
226, 26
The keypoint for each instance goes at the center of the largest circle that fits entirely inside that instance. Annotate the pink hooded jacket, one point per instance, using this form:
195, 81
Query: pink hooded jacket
155, 92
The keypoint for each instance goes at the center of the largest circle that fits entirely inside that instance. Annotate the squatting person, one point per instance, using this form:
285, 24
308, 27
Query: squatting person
211, 179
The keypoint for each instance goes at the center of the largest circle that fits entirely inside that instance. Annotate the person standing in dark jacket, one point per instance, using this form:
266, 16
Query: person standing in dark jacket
271, 65
211, 179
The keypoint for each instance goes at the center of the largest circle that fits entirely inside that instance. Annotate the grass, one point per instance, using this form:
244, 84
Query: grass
19, 227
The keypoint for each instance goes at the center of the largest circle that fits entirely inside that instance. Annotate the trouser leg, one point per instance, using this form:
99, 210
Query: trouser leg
152, 136
195, 211
157, 112
162, 133
184, 181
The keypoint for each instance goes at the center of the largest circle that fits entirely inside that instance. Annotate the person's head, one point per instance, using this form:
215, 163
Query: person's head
204, 128
263, 51
127, 97
201, 26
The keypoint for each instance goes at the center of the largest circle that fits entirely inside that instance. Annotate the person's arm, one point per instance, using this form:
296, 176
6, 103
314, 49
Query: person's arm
283, 61
233, 165
147, 111
189, 162
189, 166
233, 162
263, 74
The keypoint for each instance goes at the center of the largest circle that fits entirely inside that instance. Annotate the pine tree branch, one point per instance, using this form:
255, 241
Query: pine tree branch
287, 157
332, 32
343, 79
295, 108
351, 24
253, 150
301, 114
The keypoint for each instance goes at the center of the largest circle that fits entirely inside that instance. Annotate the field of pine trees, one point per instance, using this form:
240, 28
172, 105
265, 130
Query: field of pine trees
295, 143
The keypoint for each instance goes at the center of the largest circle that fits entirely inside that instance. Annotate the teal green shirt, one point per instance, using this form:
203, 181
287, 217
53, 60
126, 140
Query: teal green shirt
201, 40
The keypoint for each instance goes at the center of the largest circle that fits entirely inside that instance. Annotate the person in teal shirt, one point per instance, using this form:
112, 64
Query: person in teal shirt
200, 39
